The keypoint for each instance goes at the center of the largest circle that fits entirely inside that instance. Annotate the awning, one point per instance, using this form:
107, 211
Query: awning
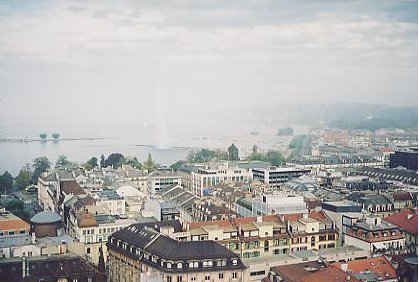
379, 246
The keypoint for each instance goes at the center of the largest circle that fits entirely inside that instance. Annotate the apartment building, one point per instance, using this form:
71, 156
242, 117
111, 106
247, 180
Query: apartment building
138, 253
198, 177
374, 234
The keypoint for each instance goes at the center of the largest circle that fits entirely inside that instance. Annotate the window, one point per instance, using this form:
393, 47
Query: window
179, 265
11, 233
220, 275
193, 264
221, 262
169, 278
193, 278
169, 265
234, 262
88, 250
234, 275
207, 277
207, 263
179, 278
22, 232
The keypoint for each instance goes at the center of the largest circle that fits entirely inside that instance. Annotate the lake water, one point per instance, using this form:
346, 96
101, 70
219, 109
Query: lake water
15, 155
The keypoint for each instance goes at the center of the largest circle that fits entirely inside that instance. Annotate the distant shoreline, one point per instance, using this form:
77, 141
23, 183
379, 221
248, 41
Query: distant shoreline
28, 140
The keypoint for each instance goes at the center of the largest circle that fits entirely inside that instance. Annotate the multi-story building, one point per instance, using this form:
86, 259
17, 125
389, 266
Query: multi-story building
11, 225
67, 267
47, 191
160, 179
138, 253
371, 233
407, 159
265, 236
407, 221
94, 230
114, 202
198, 177
311, 231
275, 203
274, 176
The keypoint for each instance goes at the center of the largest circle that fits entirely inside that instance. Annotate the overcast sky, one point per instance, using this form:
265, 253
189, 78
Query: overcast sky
82, 60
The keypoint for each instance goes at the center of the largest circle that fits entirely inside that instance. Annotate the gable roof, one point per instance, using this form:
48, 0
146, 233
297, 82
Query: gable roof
71, 187
406, 219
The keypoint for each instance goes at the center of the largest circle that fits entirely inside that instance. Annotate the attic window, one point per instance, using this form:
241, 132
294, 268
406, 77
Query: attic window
234, 261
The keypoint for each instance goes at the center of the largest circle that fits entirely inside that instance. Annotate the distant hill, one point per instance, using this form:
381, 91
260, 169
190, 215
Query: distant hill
345, 116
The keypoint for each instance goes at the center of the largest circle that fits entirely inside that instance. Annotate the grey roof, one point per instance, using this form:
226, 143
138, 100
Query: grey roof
46, 217
166, 248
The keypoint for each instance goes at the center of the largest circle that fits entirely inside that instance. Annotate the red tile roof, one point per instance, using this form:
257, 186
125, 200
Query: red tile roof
71, 187
199, 224
406, 219
402, 196
312, 215
378, 265
265, 218
329, 274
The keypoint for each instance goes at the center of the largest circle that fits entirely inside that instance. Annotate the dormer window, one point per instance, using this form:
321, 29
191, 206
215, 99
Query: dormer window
193, 264
207, 263
169, 265
179, 265
234, 261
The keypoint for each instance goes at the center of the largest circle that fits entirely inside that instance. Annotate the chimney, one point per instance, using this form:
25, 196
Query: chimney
33, 238
305, 215
259, 219
344, 266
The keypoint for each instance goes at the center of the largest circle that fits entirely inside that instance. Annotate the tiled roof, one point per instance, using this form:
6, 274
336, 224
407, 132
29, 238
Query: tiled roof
265, 218
312, 215
219, 223
406, 219
71, 187
402, 196
85, 219
377, 265
295, 272
9, 221
329, 274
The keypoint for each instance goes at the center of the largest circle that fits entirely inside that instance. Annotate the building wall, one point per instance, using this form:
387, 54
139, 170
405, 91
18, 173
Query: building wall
122, 268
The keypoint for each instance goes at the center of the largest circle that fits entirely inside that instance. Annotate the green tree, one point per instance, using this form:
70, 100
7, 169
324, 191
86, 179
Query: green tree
102, 161
6, 182
275, 158
221, 154
62, 162
286, 131
17, 207
233, 153
133, 162
201, 156
115, 160
177, 165
254, 150
23, 179
91, 163
39, 165
149, 165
